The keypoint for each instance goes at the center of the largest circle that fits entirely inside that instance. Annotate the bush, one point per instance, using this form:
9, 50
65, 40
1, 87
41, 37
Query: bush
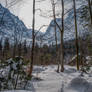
13, 74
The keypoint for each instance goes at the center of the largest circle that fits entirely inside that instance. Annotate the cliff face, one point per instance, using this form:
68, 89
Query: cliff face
69, 31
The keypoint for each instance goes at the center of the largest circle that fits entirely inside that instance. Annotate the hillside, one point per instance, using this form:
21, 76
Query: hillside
69, 31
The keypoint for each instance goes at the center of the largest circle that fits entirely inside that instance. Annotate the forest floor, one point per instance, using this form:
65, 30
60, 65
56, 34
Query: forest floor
49, 80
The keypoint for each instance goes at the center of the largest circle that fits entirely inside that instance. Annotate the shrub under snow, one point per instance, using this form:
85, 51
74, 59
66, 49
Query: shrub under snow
79, 84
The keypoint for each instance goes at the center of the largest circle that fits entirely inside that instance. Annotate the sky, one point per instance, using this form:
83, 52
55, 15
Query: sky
24, 11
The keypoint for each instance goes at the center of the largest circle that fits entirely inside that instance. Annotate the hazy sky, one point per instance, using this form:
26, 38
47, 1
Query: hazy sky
25, 13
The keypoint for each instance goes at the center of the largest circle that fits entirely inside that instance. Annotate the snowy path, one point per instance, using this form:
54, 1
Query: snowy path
51, 81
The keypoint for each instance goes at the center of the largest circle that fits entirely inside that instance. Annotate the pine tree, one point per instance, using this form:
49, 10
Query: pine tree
19, 49
1, 47
6, 48
25, 47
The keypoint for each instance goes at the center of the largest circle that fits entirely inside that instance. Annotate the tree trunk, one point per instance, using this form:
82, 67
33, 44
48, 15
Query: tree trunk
62, 53
62, 32
33, 39
54, 16
90, 10
76, 34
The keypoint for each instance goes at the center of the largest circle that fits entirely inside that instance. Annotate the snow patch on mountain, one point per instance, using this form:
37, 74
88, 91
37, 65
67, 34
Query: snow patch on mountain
12, 27
69, 31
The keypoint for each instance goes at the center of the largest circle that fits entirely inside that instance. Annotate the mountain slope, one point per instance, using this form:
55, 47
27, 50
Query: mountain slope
10, 23
69, 32
12, 27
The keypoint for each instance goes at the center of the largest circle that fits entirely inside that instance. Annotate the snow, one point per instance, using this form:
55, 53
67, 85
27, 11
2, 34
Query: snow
70, 80
69, 30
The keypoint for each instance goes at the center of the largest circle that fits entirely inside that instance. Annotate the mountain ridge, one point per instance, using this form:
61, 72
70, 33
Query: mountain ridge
69, 32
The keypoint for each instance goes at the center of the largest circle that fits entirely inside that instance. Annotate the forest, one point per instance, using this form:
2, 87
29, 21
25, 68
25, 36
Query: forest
54, 56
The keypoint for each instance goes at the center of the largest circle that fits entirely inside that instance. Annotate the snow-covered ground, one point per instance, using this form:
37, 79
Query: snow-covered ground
51, 81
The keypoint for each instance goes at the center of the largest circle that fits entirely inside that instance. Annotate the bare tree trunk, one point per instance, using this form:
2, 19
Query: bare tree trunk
54, 16
33, 39
90, 10
33, 45
62, 32
76, 34
61, 56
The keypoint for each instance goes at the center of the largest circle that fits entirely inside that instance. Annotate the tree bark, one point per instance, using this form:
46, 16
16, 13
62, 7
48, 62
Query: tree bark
76, 34
33, 39
90, 10
54, 16
62, 33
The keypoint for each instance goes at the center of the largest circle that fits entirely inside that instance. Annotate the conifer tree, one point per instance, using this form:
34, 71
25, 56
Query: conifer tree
6, 47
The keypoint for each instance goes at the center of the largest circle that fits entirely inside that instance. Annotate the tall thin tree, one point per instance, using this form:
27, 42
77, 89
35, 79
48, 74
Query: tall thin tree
90, 10
62, 34
76, 34
61, 29
33, 39
54, 16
